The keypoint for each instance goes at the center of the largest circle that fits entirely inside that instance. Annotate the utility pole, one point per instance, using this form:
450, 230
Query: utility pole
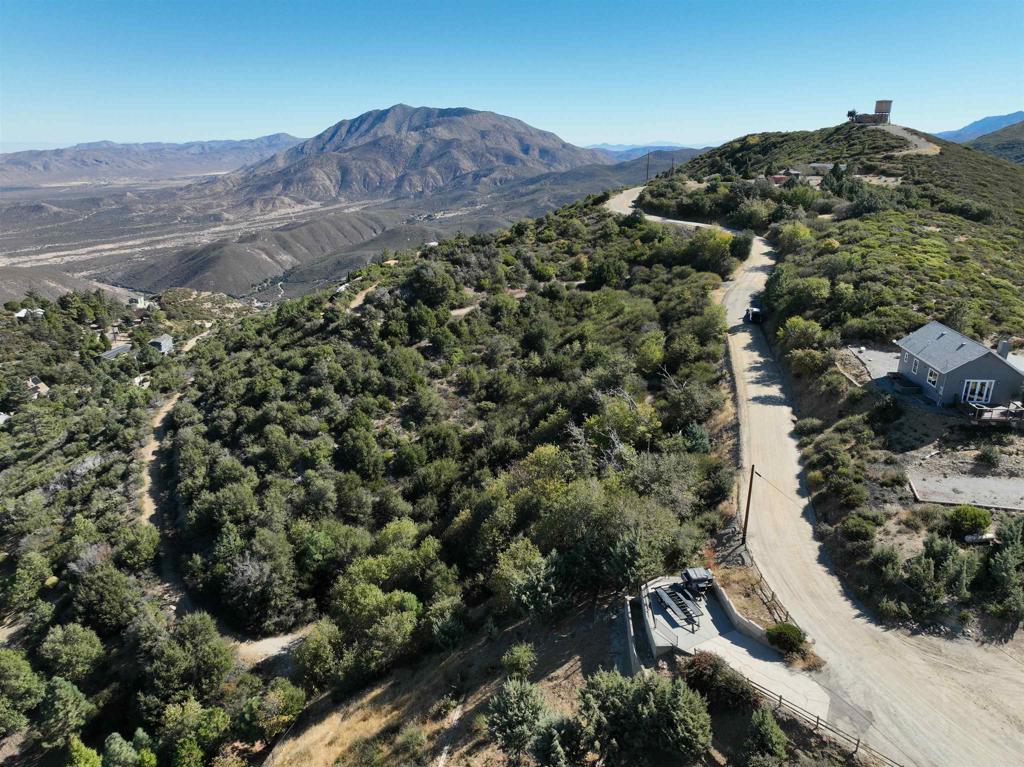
746, 515
648, 167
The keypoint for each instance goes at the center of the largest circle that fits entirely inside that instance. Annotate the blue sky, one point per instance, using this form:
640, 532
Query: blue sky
689, 72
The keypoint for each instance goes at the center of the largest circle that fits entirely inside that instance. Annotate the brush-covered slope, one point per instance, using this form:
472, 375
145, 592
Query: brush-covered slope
109, 161
868, 255
759, 153
1006, 143
407, 151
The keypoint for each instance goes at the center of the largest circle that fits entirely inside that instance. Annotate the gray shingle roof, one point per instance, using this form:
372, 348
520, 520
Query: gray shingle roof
942, 348
116, 351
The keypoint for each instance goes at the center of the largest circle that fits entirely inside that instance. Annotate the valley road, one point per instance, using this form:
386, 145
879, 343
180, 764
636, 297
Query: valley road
920, 700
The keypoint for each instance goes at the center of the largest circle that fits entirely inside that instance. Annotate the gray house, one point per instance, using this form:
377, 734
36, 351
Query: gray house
162, 343
951, 368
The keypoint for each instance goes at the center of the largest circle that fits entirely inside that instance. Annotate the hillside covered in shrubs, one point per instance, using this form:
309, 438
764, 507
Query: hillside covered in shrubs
521, 417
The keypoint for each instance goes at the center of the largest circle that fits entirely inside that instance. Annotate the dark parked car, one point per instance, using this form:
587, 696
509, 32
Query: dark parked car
753, 314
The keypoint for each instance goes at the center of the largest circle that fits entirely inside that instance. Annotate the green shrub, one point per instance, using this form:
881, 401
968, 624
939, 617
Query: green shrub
711, 676
856, 528
786, 637
515, 717
806, 426
519, 660
766, 737
443, 706
894, 610
966, 519
411, 740
990, 456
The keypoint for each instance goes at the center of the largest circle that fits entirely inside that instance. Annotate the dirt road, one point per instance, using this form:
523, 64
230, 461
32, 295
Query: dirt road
149, 491
919, 699
172, 591
918, 145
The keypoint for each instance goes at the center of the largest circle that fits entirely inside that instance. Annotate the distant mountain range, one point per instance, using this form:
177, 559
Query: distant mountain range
981, 127
621, 152
1007, 142
105, 161
403, 151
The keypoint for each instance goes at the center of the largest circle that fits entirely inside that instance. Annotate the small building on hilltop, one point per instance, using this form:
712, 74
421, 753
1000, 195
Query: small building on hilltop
162, 343
883, 109
953, 369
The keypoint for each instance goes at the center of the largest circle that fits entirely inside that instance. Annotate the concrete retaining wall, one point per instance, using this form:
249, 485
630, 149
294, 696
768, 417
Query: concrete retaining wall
634, 659
743, 624
648, 621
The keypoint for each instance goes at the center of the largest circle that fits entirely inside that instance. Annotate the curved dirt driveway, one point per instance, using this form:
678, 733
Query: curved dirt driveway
172, 591
918, 145
920, 700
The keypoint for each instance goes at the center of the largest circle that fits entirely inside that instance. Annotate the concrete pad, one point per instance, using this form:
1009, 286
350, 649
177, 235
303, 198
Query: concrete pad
879, 363
991, 492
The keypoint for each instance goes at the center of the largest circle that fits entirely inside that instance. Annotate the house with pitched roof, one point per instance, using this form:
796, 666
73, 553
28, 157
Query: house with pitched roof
952, 369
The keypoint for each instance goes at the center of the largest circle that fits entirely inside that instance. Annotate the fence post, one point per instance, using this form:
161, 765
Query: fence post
817, 721
780, 700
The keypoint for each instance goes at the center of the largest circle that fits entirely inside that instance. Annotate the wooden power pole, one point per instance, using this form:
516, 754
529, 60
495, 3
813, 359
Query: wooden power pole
746, 514
648, 167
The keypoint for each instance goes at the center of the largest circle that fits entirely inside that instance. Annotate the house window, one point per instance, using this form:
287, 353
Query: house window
977, 391
913, 368
906, 356
933, 377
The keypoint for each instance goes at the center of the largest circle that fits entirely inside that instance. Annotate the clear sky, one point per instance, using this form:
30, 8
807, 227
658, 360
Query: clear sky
624, 72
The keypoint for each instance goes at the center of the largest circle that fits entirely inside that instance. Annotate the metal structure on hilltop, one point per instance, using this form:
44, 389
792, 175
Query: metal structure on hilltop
883, 109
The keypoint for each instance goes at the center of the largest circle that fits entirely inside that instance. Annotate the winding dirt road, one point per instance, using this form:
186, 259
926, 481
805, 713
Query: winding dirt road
918, 145
172, 590
921, 700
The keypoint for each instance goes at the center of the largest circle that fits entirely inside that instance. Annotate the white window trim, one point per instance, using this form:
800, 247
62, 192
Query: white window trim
913, 368
906, 356
989, 389
928, 378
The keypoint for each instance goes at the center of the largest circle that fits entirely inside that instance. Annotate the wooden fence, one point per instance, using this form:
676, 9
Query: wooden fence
853, 742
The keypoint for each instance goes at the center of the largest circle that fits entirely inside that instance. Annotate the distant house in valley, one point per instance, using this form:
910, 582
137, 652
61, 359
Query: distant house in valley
36, 388
162, 343
951, 368
29, 314
116, 351
823, 168
139, 302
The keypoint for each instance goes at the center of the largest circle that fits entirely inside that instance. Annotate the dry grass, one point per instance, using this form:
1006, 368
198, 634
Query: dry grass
740, 583
566, 653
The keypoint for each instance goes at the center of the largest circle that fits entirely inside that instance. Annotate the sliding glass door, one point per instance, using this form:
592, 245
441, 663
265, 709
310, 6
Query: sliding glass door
978, 392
